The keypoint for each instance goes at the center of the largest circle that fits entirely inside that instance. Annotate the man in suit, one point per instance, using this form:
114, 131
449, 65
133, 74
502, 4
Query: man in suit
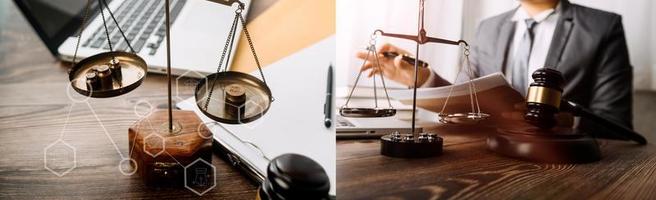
587, 45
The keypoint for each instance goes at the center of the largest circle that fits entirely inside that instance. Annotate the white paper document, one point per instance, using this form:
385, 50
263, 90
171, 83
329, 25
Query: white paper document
494, 94
295, 120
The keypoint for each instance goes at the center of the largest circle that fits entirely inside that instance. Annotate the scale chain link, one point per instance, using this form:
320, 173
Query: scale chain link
227, 50
231, 34
102, 14
357, 79
79, 34
371, 50
250, 44
382, 78
118, 26
465, 63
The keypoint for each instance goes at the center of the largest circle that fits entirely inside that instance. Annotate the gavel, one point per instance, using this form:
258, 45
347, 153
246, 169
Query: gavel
544, 100
294, 176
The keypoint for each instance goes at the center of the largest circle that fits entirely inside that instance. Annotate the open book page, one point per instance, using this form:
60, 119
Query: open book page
495, 96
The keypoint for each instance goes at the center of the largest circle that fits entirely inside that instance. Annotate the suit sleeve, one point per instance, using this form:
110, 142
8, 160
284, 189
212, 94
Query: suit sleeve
612, 96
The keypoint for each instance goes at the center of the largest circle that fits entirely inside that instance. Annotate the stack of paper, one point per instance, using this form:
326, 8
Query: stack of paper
495, 96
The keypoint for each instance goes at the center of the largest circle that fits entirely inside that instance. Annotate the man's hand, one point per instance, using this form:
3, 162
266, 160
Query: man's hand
393, 68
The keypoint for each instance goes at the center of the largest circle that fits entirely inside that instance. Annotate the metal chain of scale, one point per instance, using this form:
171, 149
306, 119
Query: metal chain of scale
101, 4
475, 115
110, 73
376, 111
236, 88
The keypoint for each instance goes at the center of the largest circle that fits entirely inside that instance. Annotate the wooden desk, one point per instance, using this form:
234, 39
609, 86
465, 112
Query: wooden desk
467, 170
33, 111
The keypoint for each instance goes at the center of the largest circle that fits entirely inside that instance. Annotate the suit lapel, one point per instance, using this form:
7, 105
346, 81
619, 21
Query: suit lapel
560, 37
505, 36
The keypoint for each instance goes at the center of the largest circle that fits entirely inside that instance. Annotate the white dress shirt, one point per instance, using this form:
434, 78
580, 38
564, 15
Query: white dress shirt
543, 34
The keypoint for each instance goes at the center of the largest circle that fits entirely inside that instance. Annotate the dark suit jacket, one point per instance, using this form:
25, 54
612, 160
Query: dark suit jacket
588, 47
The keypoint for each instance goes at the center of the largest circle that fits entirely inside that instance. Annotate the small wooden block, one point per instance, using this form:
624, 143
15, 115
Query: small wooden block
161, 156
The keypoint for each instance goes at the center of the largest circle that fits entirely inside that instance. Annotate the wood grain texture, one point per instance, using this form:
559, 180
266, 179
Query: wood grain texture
34, 106
467, 170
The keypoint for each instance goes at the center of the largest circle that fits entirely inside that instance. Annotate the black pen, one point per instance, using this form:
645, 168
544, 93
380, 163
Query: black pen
327, 106
408, 59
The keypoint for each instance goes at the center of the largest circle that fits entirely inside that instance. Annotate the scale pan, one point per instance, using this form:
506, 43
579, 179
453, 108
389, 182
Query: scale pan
233, 97
462, 118
367, 112
131, 72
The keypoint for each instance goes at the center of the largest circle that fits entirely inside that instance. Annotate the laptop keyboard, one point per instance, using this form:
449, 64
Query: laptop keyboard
343, 122
139, 20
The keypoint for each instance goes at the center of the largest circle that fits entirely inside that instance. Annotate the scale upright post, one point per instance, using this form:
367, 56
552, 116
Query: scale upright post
415, 145
165, 146
168, 62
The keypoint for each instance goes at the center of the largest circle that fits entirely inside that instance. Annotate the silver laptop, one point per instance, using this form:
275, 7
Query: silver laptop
362, 128
198, 32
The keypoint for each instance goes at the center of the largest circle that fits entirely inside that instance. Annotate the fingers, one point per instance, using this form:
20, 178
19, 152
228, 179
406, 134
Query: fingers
371, 60
374, 72
362, 54
398, 61
370, 56
384, 64
367, 65
387, 47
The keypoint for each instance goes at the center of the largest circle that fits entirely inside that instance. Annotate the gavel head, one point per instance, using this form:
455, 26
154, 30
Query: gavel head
294, 176
543, 98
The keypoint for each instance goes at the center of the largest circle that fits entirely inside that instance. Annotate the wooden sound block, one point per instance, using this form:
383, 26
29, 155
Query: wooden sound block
556, 145
162, 157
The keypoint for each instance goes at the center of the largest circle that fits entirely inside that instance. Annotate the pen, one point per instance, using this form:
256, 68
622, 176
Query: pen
408, 59
327, 106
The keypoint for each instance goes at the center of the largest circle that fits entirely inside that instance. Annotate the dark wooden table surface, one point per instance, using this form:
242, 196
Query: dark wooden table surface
467, 170
34, 106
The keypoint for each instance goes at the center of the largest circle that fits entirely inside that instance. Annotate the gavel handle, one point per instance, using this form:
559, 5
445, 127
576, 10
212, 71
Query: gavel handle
616, 129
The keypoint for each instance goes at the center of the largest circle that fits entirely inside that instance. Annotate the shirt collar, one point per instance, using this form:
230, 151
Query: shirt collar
521, 14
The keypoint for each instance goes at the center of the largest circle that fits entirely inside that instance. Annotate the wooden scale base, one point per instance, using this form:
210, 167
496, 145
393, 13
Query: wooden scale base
557, 145
427, 145
162, 157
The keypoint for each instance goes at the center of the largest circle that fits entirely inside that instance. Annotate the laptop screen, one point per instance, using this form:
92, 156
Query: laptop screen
55, 21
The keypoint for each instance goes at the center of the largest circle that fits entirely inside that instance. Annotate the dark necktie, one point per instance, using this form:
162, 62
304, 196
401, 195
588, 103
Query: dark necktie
520, 61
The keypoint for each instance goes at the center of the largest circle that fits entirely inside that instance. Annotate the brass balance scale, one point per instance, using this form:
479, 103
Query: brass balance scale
416, 145
163, 151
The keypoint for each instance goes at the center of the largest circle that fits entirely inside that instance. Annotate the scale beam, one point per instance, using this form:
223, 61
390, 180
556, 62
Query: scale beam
228, 2
422, 38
